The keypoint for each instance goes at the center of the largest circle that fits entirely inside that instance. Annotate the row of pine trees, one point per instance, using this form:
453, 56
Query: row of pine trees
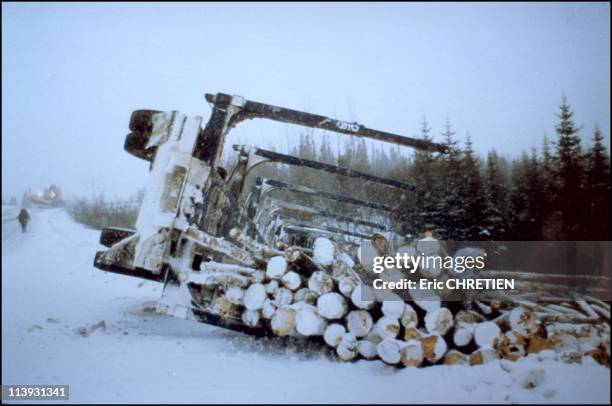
559, 193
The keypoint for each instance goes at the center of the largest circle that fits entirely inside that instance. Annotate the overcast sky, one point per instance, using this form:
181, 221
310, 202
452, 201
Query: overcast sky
73, 73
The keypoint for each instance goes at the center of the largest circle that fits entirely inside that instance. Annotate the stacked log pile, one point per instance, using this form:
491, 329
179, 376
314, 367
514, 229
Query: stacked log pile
323, 296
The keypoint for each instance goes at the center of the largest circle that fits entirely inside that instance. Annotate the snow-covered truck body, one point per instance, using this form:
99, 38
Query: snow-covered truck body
199, 231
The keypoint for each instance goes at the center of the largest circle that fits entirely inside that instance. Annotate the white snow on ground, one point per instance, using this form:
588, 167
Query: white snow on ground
50, 288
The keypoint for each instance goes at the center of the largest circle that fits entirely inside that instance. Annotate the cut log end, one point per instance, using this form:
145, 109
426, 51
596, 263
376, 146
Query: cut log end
434, 347
308, 322
331, 305
412, 354
254, 296
276, 268
291, 280
359, 322
387, 327
320, 282
283, 321
333, 334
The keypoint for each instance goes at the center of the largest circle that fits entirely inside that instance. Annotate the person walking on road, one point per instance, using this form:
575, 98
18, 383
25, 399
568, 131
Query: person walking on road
24, 219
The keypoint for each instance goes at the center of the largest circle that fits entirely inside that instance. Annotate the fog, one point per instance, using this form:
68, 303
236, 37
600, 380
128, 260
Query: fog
73, 73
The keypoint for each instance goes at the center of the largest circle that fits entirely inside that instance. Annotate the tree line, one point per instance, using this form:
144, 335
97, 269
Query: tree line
560, 192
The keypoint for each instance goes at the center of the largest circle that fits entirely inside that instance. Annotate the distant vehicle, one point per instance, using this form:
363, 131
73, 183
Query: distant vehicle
50, 197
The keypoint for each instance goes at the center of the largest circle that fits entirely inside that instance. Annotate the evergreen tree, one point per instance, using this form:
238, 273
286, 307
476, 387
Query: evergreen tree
399, 164
472, 197
419, 212
519, 214
536, 200
361, 160
547, 158
306, 148
496, 199
332, 181
325, 152
450, 207
547, 174
569, 175
346, 159
527, 202
300, 175
597, 191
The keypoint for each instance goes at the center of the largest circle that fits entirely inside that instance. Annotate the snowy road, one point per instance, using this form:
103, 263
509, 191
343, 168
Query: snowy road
50, 289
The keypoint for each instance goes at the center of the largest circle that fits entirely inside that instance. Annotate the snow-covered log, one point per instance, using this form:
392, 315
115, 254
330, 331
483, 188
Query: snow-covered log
347, 349
235, 295
223, 307
412, 354
484, 308
268, 309
487, 334
308, 322
305, 295
434, 347
250, 317
387, 327
389, 350
301, 262
259, 276
367, 349
427, 300
412, 333
393, 308
521, 320
323, 251
331, 305
409, 317
454, 357
363, 297
283, 296
463, 335
346, 285
439, 321
291, 280
219, 278
320, 282
283, 321
342, 267
276, 267
254, 296
381, 244
258, 250
271, 287
512, 346
483, 356
277, 299
359, 322
468, 317
333, 334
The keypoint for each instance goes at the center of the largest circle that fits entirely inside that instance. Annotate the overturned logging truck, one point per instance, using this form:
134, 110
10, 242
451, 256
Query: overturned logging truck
255, 260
